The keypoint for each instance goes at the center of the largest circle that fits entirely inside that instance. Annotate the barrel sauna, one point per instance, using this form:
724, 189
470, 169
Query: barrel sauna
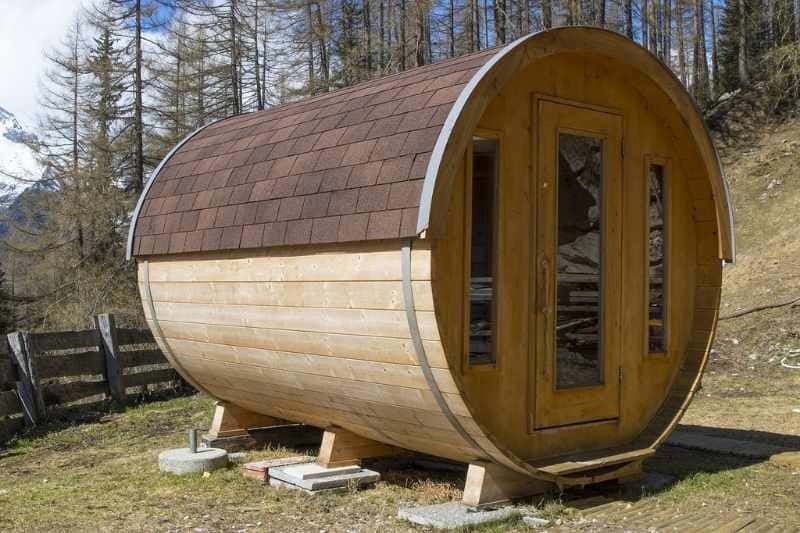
512, 258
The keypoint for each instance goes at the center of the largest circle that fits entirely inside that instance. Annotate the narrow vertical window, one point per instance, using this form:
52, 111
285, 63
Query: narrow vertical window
481, 318
657, 239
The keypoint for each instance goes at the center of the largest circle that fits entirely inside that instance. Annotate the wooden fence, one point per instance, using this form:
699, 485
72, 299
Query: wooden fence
43, 375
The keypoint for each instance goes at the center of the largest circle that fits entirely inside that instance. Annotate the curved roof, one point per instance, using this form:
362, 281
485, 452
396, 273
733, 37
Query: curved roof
344, 166
359, 163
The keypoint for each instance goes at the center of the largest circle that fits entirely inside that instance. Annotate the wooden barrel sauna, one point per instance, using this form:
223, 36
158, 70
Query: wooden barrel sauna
514, 256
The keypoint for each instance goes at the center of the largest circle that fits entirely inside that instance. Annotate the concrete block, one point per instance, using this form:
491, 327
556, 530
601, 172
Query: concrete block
535, 522
260, 469
313, 477
182, 461
455, 515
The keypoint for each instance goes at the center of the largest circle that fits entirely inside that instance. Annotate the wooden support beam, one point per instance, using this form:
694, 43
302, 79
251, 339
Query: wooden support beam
28, 389
343, 448
232, 421
19, 358
489, 484
109, 347
234, 429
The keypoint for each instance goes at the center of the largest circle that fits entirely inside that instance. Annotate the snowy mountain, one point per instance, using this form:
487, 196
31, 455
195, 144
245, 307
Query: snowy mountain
19, 166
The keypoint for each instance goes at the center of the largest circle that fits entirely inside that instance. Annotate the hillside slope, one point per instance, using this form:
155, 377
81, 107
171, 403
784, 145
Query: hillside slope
746, 386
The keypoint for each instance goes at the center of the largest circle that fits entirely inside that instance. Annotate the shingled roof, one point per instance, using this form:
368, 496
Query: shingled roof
338, 167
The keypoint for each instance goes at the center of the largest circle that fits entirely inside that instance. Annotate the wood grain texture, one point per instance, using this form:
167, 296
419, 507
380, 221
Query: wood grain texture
319, 334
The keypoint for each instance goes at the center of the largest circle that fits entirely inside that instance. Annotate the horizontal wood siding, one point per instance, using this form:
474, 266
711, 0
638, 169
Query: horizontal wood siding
320, 337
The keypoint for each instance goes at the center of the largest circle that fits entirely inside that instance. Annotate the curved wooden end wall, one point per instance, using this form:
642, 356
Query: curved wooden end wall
315, 335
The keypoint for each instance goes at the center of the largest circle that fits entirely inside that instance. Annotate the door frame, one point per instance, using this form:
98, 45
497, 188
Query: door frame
540, 345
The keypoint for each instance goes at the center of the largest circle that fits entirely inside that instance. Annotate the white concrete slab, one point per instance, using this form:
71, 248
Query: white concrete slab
455, 515
314, 479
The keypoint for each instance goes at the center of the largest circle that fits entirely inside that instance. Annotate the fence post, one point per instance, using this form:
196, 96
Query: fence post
107, 339
27, 384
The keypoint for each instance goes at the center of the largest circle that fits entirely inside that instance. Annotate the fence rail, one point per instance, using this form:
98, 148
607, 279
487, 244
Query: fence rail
46, 374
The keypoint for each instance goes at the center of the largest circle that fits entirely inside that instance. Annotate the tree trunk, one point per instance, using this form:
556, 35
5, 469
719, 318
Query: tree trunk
234, 66
629, 19
700, 58
682, 60
451, 27
600, 16
403, 51
500, 21
645, 25
259, 96
382, 31
744, 74
324, 62
310, 61
138, 128
368, 36
714, 45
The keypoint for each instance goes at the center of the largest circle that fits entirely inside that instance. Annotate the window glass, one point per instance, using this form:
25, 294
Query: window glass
482, 252
578, 323
657, 239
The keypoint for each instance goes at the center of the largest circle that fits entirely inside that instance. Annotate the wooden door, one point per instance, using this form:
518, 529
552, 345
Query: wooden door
576, 279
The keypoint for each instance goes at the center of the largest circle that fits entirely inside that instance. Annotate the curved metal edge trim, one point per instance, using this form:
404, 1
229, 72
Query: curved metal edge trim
435, 161
151, 179
160, 334
432, 171
419, 350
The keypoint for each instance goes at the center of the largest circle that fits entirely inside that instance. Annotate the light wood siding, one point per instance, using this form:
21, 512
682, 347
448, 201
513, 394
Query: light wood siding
501, 397
318, 336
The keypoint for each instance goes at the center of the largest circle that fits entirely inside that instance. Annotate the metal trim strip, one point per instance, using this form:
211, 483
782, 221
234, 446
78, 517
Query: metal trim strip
432, 171
422, 358
159, 333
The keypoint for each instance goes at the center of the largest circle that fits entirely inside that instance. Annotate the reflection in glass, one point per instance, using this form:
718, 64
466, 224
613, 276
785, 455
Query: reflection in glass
657, 241
578, 274
481, 287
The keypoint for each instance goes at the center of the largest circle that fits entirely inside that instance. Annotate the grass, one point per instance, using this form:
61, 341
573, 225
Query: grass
103, 476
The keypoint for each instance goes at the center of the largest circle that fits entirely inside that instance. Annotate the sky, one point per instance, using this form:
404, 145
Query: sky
27, 29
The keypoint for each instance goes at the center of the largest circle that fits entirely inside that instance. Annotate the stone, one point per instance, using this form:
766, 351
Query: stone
312, 477
535, 522
182, 461
260, 469
455, 515
237, 457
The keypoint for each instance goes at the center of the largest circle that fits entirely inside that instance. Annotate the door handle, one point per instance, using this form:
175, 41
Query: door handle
545, 305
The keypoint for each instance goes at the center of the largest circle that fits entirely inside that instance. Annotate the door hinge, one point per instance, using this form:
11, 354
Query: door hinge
622, 149
620, 375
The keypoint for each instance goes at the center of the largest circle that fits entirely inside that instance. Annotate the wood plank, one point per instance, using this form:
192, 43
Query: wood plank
366, 262
343, 448
109, 350
76, 364
385, 295
208, 370
488, 484
336, 367
378, 349
59, 393
9, 403
64, 340
141, 357
10, 427
8, 374
149, 378
134, 336
374, 323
